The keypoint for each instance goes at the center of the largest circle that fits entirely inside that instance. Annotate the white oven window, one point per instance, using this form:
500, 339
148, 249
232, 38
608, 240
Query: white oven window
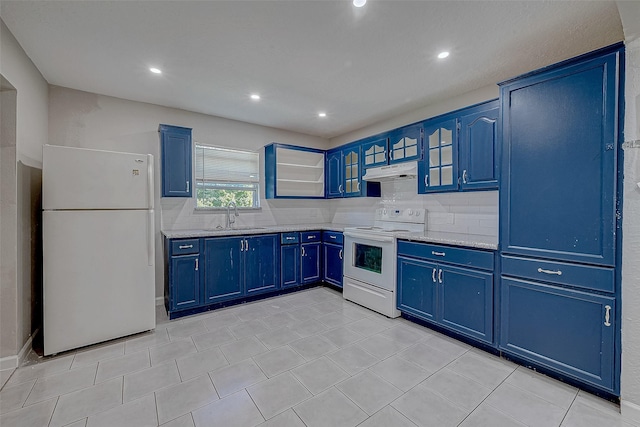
367, 257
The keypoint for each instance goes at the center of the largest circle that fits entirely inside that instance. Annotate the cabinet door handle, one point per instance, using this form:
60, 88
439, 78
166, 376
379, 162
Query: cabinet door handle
437, 253
185, 246
358, 187
340, 254
440, 274
426, 180
433, 275
607, 314
187, 186
246, 245
196, 264
302, 251
241, 245
340, 189
557, 272
464, 176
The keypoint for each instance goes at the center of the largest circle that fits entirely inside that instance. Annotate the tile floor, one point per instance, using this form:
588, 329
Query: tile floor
305, 359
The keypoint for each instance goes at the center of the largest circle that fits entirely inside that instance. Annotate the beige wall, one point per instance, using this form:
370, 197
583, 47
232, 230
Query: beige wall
8, 219
87, 120
435, 109
24, 130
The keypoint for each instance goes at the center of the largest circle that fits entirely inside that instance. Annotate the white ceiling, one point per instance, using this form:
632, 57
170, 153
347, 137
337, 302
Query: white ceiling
358, 65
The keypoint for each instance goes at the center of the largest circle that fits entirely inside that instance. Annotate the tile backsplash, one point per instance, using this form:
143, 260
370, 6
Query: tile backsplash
456, 212
469, 212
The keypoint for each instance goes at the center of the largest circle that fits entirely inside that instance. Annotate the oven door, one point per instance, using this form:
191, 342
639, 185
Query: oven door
370, 258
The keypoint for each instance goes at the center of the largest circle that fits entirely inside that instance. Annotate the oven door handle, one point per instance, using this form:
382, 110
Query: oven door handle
388, 239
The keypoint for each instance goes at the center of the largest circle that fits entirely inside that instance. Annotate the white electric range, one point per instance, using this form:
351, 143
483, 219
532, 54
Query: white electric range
370, 258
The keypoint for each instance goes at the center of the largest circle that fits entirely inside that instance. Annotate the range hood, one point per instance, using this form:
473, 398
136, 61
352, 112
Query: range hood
388, 173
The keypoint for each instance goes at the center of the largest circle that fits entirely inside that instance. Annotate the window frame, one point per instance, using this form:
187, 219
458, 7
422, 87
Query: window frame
256, 196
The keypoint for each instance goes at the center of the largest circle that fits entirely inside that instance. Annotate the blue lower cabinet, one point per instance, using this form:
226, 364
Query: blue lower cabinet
332, 271
184, 277
456, 297
466, 301
223, 268
566, 330
261, 263
310, 265
289, 265
417, 287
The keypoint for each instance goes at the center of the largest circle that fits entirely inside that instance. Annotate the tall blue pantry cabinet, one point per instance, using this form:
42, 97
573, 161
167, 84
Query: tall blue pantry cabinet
559, 215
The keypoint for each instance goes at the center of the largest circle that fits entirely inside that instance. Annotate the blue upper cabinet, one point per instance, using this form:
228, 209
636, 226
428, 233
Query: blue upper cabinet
352, 171
176, 153
478, 144
560, 147
293, 172
344, 173
375, 151
405, 144
438, 171
334, 173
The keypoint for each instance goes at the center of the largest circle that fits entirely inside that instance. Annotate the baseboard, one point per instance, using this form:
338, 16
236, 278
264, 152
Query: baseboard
630, 411
9, 362
12, 362
159, 300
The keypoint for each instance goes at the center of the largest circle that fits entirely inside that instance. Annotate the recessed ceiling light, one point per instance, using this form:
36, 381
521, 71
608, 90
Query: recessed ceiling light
255, 97
359, 3
155, 70
443, 55
322, 114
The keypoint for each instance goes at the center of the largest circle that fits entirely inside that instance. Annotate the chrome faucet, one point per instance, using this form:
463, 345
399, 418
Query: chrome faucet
229, 221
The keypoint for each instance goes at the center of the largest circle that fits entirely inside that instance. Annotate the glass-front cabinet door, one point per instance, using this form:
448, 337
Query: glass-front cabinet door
374, 152
439, 170
405, 144
351, 172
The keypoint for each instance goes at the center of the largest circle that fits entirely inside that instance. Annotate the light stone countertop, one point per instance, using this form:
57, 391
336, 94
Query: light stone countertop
456, 239
243, 231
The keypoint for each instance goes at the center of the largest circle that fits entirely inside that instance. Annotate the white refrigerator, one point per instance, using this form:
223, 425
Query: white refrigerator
98, 246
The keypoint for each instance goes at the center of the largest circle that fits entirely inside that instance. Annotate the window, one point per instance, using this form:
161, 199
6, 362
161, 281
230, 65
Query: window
224, 175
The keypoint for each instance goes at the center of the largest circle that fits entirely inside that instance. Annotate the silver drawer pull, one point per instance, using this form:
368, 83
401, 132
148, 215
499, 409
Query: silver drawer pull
311, 237
185, 246
290, 238
607, 315
332, 237
437, 253
557, 273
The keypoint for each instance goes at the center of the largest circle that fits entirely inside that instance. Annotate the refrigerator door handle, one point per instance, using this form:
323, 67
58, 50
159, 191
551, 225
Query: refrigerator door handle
150, 186
150, 229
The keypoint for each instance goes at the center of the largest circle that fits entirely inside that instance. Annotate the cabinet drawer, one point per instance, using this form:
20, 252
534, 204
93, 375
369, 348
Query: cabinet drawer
289, 238
447, 254
332, 237
310, 236
581, 276
184, 247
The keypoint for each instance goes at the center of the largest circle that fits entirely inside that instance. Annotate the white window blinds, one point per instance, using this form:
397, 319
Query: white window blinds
215, 164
